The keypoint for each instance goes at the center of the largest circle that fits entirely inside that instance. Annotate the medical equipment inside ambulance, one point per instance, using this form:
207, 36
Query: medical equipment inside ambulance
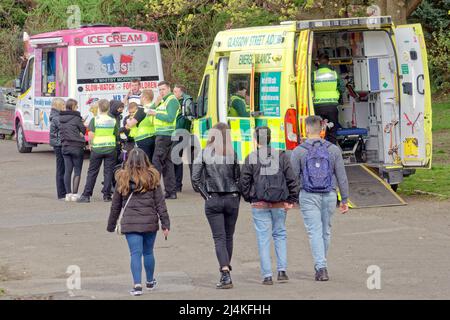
365, 61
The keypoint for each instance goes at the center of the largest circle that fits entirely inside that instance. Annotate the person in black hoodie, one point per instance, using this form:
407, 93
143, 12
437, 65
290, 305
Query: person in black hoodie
269, 184
72, 133
219, 166
55, 142
115, 110
140, 198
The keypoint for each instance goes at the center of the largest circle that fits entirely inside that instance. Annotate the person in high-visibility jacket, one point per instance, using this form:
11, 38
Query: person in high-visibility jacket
238, 104
165, 116
102, 140
328, 88
141, 126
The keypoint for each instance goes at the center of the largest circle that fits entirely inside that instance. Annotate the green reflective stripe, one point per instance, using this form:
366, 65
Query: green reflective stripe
325, 100
278, 145
325, 86
246, 134
237, 149
104, 132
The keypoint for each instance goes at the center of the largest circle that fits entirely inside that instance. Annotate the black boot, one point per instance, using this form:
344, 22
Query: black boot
225, 280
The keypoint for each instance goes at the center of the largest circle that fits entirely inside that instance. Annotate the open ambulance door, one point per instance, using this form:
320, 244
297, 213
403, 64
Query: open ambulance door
303, 73
415, 97
241, 73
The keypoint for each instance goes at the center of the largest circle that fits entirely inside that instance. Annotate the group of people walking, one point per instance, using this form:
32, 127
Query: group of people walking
273, 183
270, 180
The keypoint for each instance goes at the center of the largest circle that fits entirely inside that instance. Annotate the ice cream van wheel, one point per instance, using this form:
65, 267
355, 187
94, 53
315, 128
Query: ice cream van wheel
22, 145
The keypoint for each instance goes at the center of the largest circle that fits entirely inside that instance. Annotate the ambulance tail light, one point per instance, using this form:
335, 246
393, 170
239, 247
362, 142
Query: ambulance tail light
291, 129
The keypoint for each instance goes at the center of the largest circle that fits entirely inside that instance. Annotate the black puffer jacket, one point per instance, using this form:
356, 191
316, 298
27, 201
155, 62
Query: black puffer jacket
142, 214
55, 139
252, 169
216, 173
72, 129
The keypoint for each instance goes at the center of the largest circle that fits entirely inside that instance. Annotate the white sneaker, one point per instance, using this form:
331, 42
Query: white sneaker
74, 197
69, 197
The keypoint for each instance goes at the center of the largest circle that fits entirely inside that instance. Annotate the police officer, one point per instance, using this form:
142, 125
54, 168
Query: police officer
102, 139
328, 88
141, 125
165, 116
238, 104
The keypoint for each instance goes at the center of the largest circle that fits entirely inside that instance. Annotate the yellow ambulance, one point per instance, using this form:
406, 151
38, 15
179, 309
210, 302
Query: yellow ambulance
262, 76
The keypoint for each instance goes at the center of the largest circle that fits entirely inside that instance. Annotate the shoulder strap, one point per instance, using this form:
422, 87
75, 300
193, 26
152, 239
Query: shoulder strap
306, 146
125, 206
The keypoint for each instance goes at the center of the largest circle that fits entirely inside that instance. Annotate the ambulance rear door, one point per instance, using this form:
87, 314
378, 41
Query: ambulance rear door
303, 54
415, 97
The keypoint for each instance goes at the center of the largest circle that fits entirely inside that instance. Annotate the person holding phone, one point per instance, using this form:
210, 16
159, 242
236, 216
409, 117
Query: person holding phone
139, 192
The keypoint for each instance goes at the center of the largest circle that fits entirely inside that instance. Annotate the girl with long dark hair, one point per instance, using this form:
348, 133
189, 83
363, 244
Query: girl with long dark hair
219, 166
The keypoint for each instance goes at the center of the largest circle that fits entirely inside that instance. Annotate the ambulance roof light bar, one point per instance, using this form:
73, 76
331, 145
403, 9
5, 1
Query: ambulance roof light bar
372, 22
36, 42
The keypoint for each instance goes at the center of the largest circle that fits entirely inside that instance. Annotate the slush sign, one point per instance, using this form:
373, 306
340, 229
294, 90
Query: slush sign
119, 38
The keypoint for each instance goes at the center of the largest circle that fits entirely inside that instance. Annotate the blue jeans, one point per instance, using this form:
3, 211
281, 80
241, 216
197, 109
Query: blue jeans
271, 223
317, 210
141, 244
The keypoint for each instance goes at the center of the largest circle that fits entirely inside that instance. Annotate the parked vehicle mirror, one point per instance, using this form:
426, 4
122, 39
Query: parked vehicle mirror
198, 106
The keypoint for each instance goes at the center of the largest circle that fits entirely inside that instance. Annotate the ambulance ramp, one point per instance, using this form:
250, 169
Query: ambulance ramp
368, 190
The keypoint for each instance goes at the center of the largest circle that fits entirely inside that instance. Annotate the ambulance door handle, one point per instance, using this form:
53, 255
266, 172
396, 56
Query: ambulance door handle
422, 92
257, 113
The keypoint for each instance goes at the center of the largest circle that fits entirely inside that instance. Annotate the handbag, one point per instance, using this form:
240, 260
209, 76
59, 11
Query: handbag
118, 229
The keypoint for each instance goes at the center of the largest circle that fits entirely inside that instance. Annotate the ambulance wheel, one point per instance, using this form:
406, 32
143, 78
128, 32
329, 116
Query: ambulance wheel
20, 140
394, 187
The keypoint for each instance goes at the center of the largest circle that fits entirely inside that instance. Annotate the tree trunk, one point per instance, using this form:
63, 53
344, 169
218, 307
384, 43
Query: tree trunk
399, 10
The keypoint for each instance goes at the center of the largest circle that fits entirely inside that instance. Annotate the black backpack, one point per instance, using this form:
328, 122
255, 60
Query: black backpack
270, 182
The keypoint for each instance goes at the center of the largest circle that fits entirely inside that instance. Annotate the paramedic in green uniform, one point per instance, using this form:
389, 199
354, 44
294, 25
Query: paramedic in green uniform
328, 89
102, 138
238, 105
165, 117
141, 125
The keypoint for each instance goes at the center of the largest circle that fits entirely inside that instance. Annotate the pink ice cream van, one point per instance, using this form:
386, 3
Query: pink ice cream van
86, 64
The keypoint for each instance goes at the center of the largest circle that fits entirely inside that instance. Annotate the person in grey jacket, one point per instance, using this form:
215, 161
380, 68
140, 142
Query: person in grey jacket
317, 208
215, 174
55, 142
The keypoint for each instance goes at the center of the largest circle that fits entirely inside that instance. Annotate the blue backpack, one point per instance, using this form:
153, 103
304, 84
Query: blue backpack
317, 173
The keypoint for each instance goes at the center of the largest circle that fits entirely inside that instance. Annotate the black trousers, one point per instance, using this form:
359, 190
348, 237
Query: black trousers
60, 187
73, 162
109, 162
162, 162
329, 112
222, 213
148, 145
179, 167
